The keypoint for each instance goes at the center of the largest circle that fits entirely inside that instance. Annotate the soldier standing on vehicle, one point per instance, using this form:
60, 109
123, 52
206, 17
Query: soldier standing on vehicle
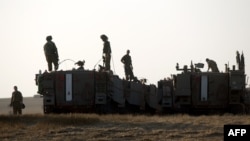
106, 52
242, 62
16, 101
51, 53
238, 59
212, 64
126, 60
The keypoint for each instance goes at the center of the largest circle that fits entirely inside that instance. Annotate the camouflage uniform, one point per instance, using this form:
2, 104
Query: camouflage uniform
106, 52
16, 101
212, 64
126, 60
51, 53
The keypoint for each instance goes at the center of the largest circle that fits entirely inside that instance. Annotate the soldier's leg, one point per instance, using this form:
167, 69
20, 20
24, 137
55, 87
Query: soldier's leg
107, 63
49, 61
20, 111
14, 110
131, 74
50, 66
107, 66
127, 77
56, 66
126, 73
55, 62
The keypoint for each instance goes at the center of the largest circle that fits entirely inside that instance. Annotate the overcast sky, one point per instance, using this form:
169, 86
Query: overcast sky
159, 33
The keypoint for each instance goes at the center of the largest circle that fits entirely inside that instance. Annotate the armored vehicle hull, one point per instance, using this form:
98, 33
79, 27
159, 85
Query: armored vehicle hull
92, 91
190, 91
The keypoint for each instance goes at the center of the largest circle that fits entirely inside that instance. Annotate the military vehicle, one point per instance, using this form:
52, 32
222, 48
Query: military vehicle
191, 91
94, 91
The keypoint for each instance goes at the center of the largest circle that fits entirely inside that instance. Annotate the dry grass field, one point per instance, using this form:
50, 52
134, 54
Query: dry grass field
92, 127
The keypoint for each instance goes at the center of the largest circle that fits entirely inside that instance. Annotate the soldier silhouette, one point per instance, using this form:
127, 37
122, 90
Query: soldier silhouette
238, 59
126, 60
16, 101
106, 52
242, 62
80, 64
212, 65
51, 53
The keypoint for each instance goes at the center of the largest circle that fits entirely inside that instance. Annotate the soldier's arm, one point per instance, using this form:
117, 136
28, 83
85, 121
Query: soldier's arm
44, 49
122, 60
21, 97
208, 68
56, 51
11, 100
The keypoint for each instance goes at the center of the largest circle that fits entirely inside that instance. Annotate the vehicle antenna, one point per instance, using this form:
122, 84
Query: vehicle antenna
66, 60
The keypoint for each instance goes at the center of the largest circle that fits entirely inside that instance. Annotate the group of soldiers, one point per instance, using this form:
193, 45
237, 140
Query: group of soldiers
52, 57
126, 59
240, 60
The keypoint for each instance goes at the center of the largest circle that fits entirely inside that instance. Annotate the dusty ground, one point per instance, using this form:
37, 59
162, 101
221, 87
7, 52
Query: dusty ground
33, 106
33, 125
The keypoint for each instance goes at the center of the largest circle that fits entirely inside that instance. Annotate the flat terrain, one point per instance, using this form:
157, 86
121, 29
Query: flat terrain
33, 125
33, 106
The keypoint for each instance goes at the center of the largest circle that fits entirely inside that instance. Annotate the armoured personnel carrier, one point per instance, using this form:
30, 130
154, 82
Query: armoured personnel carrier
94, 91
194, 91
191, 91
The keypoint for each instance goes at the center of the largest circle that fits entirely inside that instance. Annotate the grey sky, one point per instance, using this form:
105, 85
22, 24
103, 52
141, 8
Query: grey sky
159, 33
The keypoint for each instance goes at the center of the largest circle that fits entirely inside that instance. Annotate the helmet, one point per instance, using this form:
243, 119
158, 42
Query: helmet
104, 37
49, 38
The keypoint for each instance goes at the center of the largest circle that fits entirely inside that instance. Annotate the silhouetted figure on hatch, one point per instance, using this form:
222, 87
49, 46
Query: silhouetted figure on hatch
51, 53
80, 64
126, 60
212, 65
106, 52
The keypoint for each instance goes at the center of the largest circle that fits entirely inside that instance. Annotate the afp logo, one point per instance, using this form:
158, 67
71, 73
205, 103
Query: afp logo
236, 132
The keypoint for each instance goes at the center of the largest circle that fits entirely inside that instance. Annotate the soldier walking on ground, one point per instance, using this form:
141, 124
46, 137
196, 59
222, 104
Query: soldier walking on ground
106, 52
126, 60
212, 64
16, 101
51, 53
